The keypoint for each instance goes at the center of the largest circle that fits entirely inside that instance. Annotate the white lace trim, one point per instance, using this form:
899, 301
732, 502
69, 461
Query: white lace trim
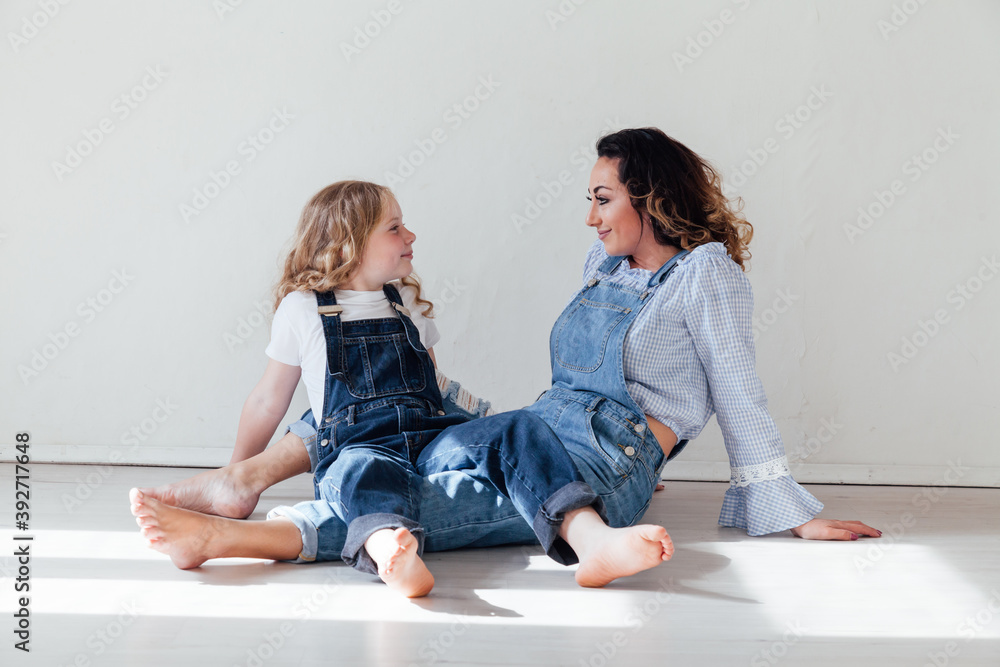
761, 472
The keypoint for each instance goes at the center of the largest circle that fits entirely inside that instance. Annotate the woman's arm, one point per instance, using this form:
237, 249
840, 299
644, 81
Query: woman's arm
264, 409
763, 498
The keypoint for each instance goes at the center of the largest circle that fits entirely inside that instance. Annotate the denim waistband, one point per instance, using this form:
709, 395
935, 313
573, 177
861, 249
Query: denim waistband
595, 401
355, 410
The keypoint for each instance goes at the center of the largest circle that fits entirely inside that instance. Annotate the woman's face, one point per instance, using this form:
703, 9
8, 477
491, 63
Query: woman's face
611, 213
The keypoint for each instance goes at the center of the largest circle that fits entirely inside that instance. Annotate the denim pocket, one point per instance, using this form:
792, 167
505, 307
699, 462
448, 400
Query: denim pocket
583, 334
383, 365
615, 443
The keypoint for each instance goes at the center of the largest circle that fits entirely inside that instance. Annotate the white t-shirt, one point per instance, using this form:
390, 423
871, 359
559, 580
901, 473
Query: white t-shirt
297, 337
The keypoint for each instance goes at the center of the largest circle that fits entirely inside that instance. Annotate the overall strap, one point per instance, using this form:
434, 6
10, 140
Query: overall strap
396, 301
333, 331
610, 264
665, 270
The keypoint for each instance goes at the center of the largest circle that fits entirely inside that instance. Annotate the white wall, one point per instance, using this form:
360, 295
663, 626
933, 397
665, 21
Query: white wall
890, 82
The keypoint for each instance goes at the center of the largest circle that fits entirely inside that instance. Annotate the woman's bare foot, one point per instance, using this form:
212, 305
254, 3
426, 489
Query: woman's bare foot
399, 566
231, 491
189, 538
621, 552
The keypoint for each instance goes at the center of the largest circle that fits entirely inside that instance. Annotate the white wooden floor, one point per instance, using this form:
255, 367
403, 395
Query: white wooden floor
928, 596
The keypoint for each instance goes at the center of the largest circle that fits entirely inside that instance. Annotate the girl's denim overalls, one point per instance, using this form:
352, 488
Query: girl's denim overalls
382, 409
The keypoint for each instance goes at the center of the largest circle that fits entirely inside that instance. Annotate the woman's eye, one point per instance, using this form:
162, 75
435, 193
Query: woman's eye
602, 200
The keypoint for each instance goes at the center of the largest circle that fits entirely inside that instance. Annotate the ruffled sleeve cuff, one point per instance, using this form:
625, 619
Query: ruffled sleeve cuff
764, 499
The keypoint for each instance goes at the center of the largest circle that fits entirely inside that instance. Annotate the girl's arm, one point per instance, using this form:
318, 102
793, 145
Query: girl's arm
456, 399
264, 409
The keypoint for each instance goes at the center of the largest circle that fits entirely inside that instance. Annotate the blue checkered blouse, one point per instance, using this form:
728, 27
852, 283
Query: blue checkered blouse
689, 354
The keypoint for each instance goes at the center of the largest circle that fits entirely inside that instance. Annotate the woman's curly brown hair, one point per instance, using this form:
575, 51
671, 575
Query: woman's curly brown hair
680, 191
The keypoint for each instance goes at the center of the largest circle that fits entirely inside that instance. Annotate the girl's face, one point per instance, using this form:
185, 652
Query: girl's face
388, 255
611, 213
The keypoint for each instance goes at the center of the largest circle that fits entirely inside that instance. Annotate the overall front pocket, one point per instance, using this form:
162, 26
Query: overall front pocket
384, 365
583, 334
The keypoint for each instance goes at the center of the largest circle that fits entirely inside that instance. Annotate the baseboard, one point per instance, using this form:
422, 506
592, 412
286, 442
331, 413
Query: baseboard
953, 474
180, 457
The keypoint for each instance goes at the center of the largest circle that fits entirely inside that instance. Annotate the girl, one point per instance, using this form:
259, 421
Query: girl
352, 324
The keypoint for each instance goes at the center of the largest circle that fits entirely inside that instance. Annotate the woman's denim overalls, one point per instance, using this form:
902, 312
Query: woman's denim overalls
589, 406
383, 420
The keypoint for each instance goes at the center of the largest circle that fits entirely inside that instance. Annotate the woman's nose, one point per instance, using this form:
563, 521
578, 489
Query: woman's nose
592, 219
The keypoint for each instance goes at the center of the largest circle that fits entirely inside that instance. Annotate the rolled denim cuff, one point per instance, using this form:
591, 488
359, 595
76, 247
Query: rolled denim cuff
307, 432
550, 516
355, 554
457, 400
310, 536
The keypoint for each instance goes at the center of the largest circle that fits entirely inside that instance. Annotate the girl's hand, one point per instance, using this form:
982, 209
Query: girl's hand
832, 529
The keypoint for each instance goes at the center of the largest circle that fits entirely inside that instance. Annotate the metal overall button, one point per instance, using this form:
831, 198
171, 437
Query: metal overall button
639, 428
630, 451
324, 443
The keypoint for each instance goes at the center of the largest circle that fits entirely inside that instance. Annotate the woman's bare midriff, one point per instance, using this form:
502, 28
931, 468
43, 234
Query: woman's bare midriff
664, 435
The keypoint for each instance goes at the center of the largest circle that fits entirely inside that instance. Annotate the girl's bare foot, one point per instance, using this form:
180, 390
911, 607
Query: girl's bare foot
621, 552
231, 491
189, 538
399, 566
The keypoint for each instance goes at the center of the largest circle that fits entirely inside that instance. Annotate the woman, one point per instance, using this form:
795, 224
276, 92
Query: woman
657, 340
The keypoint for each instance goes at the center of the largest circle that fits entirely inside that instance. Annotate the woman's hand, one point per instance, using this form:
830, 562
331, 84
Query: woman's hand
832, 529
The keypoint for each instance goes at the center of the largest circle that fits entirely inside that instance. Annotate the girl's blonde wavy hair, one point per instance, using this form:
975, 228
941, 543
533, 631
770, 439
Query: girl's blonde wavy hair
681, 192
331, 238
